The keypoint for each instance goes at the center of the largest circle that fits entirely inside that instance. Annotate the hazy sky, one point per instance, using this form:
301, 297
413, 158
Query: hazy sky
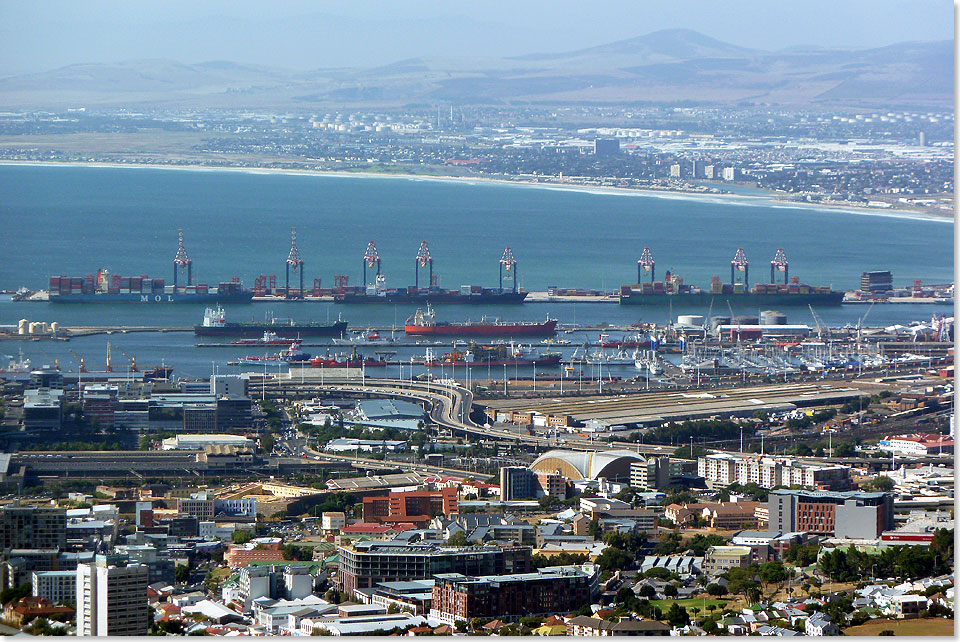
39, 35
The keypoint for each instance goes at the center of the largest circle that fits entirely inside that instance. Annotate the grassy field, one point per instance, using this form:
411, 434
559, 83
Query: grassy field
926, 626
693, 602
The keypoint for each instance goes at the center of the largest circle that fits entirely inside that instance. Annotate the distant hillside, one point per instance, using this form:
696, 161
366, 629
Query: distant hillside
664, 66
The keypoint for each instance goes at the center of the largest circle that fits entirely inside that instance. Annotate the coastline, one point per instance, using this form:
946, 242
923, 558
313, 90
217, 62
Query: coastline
765, 200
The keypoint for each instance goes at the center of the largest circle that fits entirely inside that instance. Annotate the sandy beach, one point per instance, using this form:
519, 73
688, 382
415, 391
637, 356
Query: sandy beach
765, 200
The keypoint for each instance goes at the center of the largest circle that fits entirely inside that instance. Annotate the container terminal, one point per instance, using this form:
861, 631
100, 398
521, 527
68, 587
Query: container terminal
104, 287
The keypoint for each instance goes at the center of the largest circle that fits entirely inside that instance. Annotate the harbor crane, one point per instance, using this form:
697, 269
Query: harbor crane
646, 264
181, 261
370, 258
819, 323
740, 263
423, 260
508, 262
132, 360
80, 362
294, 261
109, 366
780, 264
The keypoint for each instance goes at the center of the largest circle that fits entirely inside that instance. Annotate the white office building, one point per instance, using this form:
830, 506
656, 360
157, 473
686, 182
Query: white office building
56, 586
112, 600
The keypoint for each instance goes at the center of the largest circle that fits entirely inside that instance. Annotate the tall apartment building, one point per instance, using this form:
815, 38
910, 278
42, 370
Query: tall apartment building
546, 591
518, 482
854, 515
112, 599
769, 472
876, 281
366, 564
40, 527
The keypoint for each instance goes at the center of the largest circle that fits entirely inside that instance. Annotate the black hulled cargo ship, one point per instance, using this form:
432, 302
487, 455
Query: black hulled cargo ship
215, 325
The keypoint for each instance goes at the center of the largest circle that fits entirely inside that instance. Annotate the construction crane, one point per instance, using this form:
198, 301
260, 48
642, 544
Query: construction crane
740, 263
294, 261
80, 361
132, 360
508, 262
423, 260
181, 261
370, 258
780, 263
646, 264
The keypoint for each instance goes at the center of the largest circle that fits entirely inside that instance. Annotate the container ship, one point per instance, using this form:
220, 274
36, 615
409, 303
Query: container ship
424, 324
215, 325
493, 355
377, 292
466, 295
673, 290
104, 287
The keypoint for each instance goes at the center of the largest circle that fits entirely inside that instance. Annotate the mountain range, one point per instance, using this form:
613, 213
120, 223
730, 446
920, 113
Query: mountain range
670, 66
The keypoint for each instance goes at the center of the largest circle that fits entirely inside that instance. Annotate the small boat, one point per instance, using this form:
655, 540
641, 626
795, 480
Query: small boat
268, 339
292, 354
619, 358
353, 360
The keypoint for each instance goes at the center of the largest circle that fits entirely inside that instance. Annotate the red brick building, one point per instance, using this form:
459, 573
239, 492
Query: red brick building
417, 507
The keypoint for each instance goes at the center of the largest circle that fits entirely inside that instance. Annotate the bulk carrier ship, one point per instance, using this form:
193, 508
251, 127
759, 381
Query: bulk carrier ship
377, 292
424, 324
673, 290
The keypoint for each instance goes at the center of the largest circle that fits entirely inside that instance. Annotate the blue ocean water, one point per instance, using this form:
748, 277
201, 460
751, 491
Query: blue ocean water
73, 220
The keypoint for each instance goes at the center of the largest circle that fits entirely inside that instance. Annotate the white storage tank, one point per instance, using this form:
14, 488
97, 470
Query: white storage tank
55, 327
772, 317
690, 319
35, 327
23, 326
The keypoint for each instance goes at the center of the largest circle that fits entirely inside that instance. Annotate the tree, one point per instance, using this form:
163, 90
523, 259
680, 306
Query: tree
647, 591
614, 559
267, 442
458, 539
942, 544
241, 537
881, 483
333, 596
802, 554
181, 574
670, 590
773, 573
594, 529
677, 615
716, 589
657, 572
